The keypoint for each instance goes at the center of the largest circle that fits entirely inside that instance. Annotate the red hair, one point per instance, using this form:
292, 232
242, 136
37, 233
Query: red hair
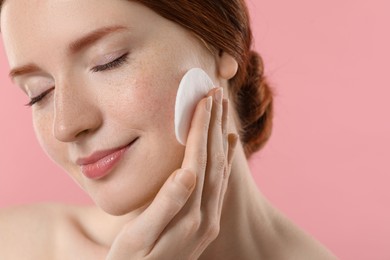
224, 25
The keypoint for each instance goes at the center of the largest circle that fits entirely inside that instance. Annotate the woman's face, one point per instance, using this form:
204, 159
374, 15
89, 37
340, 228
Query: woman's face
116, 67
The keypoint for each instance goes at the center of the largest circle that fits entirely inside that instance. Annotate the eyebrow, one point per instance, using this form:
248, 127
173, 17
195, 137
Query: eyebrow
26, 69
73, 48
93, 37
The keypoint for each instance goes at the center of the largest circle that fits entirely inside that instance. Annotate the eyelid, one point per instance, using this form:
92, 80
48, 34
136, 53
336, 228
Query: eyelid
39, 97
112, 64
36, 84
107, 58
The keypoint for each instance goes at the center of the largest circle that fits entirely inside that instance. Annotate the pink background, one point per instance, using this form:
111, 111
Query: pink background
327, 165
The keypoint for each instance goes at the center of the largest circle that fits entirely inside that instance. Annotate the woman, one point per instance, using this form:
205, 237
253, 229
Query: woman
103, 107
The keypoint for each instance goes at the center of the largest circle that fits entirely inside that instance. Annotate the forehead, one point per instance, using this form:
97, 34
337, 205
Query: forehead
38, 14
34, 27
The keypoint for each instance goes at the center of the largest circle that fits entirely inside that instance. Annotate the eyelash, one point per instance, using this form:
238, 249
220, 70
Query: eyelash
39, 97
109, 66
112, 65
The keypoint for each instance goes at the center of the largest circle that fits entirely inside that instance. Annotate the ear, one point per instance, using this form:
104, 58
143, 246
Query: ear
227, 65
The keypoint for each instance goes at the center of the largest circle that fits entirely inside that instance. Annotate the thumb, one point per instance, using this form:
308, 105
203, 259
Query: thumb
147, 228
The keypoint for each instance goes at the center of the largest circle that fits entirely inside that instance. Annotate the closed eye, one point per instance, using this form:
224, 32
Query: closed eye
39, 97
111, 65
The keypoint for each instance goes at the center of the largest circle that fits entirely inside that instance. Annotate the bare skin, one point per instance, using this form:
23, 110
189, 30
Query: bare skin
214, 210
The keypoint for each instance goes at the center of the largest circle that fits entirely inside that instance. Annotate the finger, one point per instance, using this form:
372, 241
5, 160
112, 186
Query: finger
216, 161
232, 143
195, 157
145, 231
225, 118
228, 145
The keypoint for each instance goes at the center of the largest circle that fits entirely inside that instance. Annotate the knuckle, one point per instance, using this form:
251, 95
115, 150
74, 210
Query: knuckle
132, 241
218, 121
135, 244
226, 172
219, 161
205, 127
225, 133
212, 230
202, 160
192, 225
173, 201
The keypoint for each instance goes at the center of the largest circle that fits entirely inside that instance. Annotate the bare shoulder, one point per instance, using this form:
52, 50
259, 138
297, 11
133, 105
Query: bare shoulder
32, 231
296, 243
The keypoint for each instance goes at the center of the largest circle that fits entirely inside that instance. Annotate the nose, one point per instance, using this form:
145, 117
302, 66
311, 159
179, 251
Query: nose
76, 113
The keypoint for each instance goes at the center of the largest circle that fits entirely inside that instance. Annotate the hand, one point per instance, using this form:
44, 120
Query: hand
184, 217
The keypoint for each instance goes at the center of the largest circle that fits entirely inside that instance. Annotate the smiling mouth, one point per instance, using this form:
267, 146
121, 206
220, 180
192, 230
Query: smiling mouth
101, 163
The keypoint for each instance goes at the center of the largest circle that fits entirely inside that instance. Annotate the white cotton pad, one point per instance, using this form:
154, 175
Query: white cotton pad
194, 86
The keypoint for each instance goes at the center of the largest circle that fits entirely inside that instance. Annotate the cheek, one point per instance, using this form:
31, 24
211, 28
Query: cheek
43, 130
162, 104
149, 98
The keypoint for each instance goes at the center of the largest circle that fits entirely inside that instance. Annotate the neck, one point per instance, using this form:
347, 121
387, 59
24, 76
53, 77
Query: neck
246, 229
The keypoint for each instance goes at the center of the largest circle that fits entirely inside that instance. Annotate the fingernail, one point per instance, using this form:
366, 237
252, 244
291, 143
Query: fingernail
218, 95
225, 116
209, 104
185, 178
233, 139
226, 105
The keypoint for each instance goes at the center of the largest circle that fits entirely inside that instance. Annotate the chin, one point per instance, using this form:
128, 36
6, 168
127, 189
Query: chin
120, 200
120, 209
127, 191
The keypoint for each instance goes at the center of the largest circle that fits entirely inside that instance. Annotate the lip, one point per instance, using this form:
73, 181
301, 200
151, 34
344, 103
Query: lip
99, 164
